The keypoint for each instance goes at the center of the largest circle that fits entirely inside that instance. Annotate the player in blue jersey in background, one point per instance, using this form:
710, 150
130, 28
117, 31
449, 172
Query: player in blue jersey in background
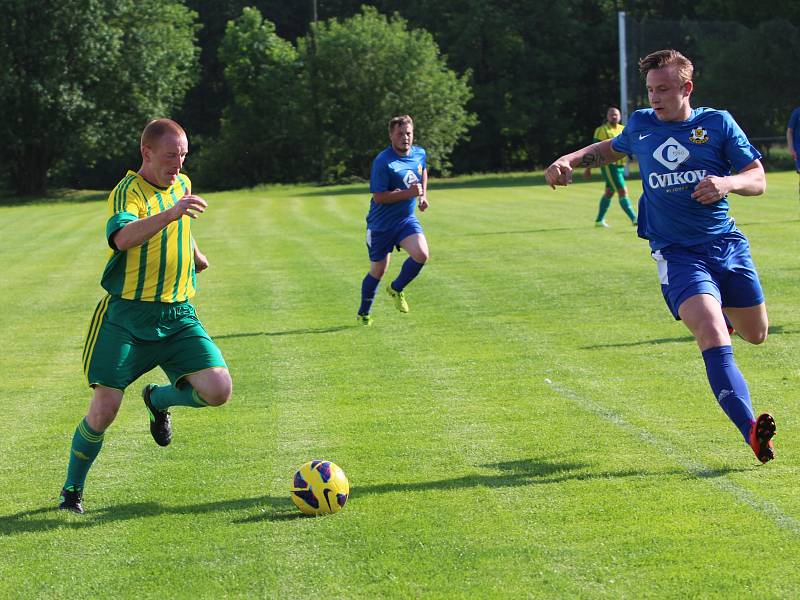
707, 274
793, 137
398, 182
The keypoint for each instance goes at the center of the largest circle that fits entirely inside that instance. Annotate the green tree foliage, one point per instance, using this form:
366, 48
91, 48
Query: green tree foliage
746, 70
543, 74
264, 129
206, 102
757, 103
369, 68
320, 111
80, 78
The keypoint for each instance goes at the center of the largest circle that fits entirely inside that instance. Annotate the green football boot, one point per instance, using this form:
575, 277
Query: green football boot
399, 299
364, 320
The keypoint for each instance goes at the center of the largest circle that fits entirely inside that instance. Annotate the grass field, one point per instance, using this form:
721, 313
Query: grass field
538, 425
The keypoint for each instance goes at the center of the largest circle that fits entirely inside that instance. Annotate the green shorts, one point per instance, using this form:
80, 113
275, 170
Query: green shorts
614, 176
127, 338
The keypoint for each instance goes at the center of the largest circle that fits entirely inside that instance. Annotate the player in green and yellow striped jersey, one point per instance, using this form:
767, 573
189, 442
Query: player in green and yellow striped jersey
613, 173
146, 320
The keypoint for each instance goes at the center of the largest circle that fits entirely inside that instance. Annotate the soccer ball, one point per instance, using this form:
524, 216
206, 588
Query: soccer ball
320, 487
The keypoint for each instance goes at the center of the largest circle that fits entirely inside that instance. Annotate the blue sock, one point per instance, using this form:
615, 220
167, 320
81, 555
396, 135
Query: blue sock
410, 269
368, 288
729, 387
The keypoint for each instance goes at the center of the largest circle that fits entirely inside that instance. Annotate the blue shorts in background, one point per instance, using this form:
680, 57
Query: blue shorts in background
722, 268
381, 243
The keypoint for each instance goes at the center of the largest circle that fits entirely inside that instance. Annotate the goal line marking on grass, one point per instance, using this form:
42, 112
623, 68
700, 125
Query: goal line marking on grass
696, 468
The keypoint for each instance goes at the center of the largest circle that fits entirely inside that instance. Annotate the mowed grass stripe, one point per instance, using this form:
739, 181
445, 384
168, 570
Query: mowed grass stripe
471, 476
696, 468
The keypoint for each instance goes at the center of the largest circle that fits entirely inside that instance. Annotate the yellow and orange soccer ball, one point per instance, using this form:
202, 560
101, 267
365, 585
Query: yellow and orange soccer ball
320, 487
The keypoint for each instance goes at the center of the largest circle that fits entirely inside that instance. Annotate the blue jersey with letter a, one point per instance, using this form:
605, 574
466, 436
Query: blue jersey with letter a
390, 172
674, 156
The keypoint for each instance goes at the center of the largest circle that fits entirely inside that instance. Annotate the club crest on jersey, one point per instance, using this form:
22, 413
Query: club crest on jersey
419, 169
698, 136
671, 154
409, 178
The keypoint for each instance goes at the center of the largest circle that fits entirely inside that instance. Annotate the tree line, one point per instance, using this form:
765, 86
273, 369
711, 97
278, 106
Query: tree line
302, 90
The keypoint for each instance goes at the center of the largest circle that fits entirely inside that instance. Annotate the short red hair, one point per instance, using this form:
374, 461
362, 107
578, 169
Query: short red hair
156, 129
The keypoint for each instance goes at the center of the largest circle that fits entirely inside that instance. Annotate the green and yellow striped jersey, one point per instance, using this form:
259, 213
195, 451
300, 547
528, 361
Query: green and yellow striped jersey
162, 268
606, 132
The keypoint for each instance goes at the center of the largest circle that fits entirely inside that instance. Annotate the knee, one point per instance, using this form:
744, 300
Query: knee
756, 337
378, 270
220, 392
101, 419
421, 256
708, 336
102, 412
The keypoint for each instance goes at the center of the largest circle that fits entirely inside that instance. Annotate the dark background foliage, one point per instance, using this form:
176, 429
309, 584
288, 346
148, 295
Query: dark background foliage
302, 90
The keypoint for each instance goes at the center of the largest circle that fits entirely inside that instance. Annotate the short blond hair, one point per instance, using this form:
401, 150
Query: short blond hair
667, 58
156, 129
401, 120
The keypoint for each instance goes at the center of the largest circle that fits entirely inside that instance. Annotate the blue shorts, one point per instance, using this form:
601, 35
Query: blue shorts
381, 243
722, 268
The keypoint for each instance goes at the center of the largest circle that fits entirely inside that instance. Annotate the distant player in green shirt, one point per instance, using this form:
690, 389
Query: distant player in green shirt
613, 173
146, 320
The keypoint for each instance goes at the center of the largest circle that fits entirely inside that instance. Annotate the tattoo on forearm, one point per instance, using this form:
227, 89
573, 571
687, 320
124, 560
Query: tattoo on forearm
592, 159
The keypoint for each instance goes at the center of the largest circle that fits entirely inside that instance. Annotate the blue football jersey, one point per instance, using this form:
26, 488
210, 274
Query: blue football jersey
673, 158
794, 125
390, 171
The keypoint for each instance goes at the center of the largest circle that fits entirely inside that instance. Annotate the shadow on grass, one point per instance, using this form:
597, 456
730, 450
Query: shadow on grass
773, 330
47, 518
289, 332
273, 508
528, 472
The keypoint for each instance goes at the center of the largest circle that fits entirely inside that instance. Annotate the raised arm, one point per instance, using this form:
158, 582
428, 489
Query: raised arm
138, 232
594, 155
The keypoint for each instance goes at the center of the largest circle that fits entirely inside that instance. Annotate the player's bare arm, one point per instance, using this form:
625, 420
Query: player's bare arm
138, 232
423, 198
414, 190
790, 143
750, 181
594, 155
200, 261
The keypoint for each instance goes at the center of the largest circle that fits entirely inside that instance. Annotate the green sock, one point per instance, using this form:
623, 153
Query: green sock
164, 396
625, 203
86, 444
605, 202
